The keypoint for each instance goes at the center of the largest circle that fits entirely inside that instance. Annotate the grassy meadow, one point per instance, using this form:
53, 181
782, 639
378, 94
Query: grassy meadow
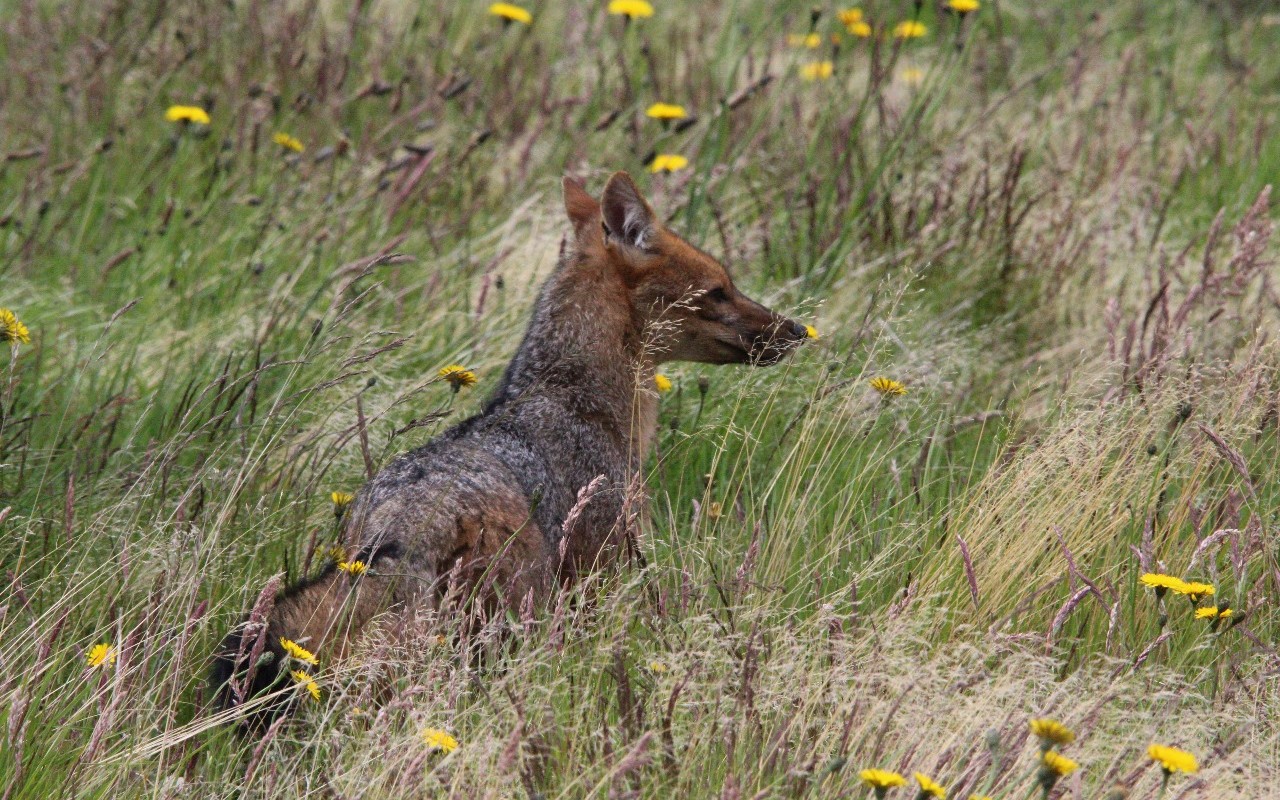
1049, 222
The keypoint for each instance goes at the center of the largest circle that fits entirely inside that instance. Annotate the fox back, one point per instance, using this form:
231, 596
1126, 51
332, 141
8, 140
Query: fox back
480, 511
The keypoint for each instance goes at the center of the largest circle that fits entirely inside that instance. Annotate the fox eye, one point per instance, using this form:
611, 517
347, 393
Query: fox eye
718, 295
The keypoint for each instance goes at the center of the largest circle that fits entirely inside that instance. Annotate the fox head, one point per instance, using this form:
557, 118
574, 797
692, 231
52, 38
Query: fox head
679, 293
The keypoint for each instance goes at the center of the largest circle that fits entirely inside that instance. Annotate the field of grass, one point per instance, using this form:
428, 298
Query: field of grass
1049, 221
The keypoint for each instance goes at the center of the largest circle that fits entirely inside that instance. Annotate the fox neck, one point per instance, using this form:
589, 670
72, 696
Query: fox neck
584, 350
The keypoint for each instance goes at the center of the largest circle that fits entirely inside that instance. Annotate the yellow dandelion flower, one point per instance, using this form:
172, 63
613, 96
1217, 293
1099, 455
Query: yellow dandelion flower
1161, 582
668, 162
1171, 759
963, 6
809, 40
510, 12
881, 778
817, 70
662, 382
631, 8
353, 568
341, 500
715, 511
1196, 590
861, 29
12, 330
666, 111
288, 142
1051, 732
295, 650
912, 76
888, 387
930, 788
658, 667
811, 332
439, 640
1214, 612
304, 679
1058, 764
194, 114
458, 376
437, 739
336, 553
981, 797
101, 654
909, 30
849, 16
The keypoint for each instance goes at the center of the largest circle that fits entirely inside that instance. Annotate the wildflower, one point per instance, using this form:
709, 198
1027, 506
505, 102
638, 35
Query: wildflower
881, 780
888, 386
295, 650
1172, 760
1051, 732
666, 111
194, 114
509, 12
336, 553
817, 70
288, 142
12, 330
662, 382
340, 502
439, 640
963, 6
913, 76
930, 788
811, 332
1162, 583
981, 797
909, 30
458, 376
353, 568
658, 667
100, 654
715, 510
849, 16
668, 162
1214, 613
1057, 763
861, 29
304, 679
437, 739
811, 40
631, 8
1196, 590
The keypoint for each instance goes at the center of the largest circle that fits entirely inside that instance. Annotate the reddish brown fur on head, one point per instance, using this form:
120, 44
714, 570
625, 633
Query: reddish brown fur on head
681, 294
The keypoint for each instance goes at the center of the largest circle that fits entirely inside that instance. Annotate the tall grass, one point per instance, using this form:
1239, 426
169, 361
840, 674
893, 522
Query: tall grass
1058, 239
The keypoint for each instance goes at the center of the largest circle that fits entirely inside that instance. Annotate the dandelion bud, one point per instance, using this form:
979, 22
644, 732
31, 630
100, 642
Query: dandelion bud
703, 385
993, 740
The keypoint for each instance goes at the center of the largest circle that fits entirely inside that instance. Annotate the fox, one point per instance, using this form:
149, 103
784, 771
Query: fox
482, 507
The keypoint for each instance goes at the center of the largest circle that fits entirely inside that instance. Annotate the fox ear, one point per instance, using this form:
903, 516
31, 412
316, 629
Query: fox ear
626, 216
582, 209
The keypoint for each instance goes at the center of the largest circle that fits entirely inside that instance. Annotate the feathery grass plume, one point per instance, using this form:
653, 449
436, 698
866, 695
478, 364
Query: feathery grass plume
439, 740
288, 142
963, 6
668, 162
458, 376
631, 9
12, 330
881, 780
295, 650
341, 501
662, 383
187, 114
100, 655
809, 41
888, 387
817, 70
909, 29
929, 787
509, 12
353, 568
303, 678
1050, 732
666, 111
